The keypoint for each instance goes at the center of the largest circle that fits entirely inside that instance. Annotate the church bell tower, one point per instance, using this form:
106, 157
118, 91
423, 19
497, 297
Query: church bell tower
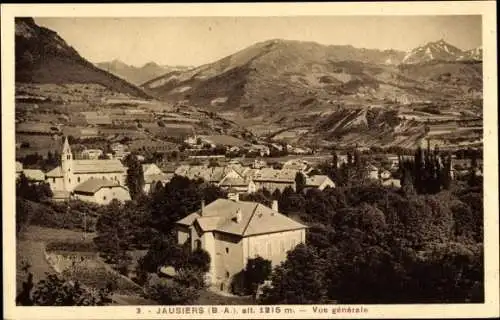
67, 166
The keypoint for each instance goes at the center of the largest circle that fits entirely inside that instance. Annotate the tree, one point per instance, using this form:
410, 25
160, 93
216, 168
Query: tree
256, 272
300, 182
55, 291
298, 280
135, 176
199, 259
114, 232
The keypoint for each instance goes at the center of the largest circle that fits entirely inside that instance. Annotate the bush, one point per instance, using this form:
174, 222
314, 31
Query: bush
172, 293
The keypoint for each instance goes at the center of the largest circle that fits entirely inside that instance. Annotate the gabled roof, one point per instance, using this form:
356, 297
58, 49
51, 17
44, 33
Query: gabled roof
94, 185
275, 175
317, 180
255, 218
209, 174
55, 173
233, 181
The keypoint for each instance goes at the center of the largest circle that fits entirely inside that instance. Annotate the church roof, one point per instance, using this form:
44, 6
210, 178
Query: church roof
255, 218
94, 185
55, 173
97, 166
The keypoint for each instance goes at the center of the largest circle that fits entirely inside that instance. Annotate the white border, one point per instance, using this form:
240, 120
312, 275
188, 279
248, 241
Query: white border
485, 8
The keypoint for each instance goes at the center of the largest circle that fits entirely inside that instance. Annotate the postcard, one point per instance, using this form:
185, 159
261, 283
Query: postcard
250, 161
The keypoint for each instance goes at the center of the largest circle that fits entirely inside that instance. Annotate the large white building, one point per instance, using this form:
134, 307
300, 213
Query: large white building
64, 179
233, 231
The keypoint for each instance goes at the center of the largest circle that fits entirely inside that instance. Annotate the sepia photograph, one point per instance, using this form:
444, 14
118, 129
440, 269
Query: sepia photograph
261, 162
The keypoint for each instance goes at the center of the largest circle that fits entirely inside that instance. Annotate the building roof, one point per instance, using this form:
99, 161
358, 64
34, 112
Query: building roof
209, 174
255, 218
97, 166
34, 174
275, 175
94, 185
19, 166
317, 180
234, 182
163, 177
55, 173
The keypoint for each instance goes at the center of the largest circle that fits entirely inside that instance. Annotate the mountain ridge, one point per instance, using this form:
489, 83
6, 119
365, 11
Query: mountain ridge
43, 57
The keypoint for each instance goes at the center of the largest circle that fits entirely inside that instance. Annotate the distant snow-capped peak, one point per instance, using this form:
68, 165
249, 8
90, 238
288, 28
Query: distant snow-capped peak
438, 50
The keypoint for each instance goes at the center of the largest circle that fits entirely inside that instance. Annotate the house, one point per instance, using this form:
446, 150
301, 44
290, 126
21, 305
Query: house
71, 173
19, 169
152, 175
274, 179
209, 174
258, 164
319, 182
260, 149
233, 231
373, 172
296, 164
237, 184
35, 175
101, 191
395, 183
92, 154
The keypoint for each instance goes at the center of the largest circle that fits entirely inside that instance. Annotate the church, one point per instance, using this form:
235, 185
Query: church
72, 176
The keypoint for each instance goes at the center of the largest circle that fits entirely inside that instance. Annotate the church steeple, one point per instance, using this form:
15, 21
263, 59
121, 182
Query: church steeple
67, 164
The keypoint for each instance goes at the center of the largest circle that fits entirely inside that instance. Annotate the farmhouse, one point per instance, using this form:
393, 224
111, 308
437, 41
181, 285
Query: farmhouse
64, 179
237, 184
233, 231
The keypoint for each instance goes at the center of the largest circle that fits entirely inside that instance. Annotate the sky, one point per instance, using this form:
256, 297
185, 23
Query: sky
195, 41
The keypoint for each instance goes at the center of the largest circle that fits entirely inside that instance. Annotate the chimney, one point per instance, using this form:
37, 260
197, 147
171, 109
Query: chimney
235, 196
202, 207
275, 205
238, 216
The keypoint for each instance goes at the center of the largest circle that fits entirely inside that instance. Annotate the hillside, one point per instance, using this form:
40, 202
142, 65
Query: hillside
138, 75
278, 85
43, 57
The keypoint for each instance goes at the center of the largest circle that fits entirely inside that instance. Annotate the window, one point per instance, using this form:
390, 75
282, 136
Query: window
282, 246
227, 274
104, 198
69, 180
78, 179
53, 180
68, 157
227, 250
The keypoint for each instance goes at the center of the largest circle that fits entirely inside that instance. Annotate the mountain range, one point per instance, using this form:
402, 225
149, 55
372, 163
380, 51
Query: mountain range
138, 75
276, 88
